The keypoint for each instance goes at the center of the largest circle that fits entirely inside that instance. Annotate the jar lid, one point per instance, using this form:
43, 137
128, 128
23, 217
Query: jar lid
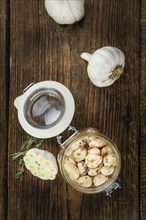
45, 109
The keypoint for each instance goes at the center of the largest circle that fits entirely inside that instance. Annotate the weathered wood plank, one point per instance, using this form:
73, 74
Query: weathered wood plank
43, 50
143, 113
4, 78
114, 110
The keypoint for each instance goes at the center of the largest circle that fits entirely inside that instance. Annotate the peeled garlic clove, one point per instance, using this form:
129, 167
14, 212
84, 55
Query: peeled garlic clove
65, 11
72, 171
97, 143
78, 144
107, 171
93, 161
68, 151
41, 163
85, 181
99, 179
89, 139
106, 150
82, 167
80, 154
92, 172
94, 151
99, 168
70, 160
110, 160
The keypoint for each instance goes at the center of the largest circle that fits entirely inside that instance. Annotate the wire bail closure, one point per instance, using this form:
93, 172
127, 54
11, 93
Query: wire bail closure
114, 186
59, 137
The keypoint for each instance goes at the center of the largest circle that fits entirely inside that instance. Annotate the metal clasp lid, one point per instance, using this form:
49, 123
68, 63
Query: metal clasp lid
114, 186
59, 137
40, 121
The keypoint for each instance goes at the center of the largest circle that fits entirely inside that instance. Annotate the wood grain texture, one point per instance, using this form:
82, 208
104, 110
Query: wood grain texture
143, 113
40, 50
4, 76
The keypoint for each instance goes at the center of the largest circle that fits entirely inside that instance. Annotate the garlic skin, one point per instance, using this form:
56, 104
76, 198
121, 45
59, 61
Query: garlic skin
105, 65
65, 11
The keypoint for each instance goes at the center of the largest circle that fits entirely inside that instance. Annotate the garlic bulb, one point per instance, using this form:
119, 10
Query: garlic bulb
41, 164
105, 65
65, 11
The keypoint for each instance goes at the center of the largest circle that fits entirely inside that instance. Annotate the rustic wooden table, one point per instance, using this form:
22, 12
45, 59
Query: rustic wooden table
35, 48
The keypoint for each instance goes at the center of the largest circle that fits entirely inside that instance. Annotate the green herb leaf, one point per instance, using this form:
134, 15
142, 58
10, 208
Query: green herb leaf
19, 173
17, 156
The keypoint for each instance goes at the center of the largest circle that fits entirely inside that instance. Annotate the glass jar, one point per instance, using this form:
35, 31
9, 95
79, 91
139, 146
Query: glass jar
87, 134
45, 110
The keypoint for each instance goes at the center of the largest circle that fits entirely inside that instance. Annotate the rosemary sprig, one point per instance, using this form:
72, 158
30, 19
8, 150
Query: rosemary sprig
18, 156
20, 172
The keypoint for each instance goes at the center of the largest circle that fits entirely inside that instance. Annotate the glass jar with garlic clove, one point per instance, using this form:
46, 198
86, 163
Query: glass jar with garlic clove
90, 162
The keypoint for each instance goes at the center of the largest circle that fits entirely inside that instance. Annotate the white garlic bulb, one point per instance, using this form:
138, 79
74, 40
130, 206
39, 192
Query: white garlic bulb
65, 11
41, 164
105, 65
